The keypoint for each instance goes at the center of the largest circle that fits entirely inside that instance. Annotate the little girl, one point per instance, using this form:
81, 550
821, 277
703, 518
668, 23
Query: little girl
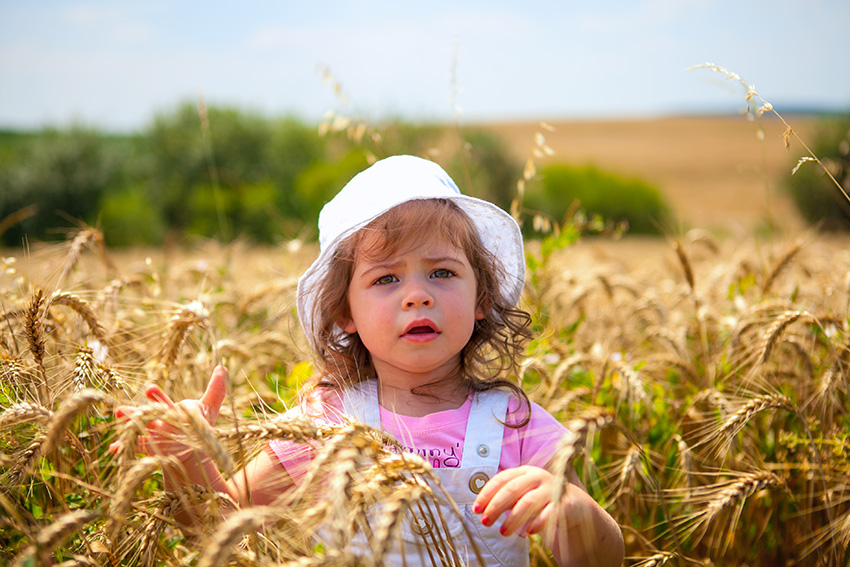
411, 310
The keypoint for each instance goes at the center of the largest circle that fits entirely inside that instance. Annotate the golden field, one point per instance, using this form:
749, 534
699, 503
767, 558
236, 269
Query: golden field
704, 376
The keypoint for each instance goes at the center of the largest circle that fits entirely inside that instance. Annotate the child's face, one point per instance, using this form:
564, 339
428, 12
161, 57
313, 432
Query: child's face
415, 310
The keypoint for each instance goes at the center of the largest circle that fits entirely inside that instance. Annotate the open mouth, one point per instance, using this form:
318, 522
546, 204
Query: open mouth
421, 330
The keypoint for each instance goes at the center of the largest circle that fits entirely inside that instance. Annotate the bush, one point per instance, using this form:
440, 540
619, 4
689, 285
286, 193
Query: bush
816, 196
128, 218
614, 198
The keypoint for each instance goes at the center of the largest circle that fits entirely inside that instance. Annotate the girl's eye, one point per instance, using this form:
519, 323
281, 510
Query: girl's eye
384, 280
442, 273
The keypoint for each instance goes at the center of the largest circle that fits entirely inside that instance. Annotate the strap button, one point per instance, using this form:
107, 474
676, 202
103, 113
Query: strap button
483, 451
477, 482
421, 524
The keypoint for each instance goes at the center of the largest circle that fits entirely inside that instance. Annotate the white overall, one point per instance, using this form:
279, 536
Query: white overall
482, 448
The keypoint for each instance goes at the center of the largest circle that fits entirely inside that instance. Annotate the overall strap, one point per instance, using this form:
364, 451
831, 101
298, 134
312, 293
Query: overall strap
482, 445
360, 402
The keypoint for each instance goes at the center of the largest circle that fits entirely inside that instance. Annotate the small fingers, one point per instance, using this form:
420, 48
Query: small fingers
492, 488
155, 394
142, 446
537, 524
506, 497
215, 393
124, 412
528, 515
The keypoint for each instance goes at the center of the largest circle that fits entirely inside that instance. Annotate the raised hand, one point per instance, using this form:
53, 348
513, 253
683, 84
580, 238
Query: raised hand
163, 437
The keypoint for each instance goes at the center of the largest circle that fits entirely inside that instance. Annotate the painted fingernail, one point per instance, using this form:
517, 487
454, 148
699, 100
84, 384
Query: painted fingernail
485, 520
503, 531
476, 509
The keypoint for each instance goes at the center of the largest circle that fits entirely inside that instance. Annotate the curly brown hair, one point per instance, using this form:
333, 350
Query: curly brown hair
498, 340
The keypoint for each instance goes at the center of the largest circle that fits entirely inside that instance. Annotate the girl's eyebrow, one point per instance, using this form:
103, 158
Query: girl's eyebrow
391, 265
387, 266
442, 260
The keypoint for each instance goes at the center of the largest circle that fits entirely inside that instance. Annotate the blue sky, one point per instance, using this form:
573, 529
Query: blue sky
114, 64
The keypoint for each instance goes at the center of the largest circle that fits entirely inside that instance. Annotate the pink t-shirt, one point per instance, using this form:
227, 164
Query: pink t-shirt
436, 437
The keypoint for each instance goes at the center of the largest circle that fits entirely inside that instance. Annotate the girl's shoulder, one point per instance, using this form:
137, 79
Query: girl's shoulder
523, 412
320, 402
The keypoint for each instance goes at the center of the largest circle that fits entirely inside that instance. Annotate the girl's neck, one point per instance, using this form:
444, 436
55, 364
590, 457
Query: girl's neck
424, 399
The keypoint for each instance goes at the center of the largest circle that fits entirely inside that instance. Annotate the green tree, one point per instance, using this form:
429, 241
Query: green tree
321, 181
225, 172
63, 173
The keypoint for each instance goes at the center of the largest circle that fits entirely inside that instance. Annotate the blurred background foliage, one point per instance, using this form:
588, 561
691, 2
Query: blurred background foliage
615, 198
224, 173
815, 194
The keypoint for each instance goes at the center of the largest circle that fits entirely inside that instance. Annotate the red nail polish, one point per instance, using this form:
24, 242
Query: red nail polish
476, 509
503, 531
484, 520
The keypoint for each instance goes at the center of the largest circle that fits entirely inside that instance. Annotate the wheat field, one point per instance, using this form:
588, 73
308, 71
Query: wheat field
704, 384
703, 380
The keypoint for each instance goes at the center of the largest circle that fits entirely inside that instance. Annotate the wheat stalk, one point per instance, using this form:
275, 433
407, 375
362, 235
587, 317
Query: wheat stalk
194, 313
776, 329
629, 468
26, 460
130, 481
655, 560
66, 412
84, 366
205, 434
24, 412
578, 430
781, 264
82, 308
135, 425
220, 546
685, 262
284, 428
79, 561
53, 535
392, 515
83, 238
738, 420
35, 338
725, 498
767, 107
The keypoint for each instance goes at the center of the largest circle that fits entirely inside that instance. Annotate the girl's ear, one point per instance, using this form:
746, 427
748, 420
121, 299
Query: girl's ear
347, 325
480, 312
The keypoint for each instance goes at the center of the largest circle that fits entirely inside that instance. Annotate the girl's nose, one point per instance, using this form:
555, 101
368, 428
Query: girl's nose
417, 296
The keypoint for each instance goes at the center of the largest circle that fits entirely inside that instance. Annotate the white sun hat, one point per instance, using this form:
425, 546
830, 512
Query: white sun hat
390, 182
